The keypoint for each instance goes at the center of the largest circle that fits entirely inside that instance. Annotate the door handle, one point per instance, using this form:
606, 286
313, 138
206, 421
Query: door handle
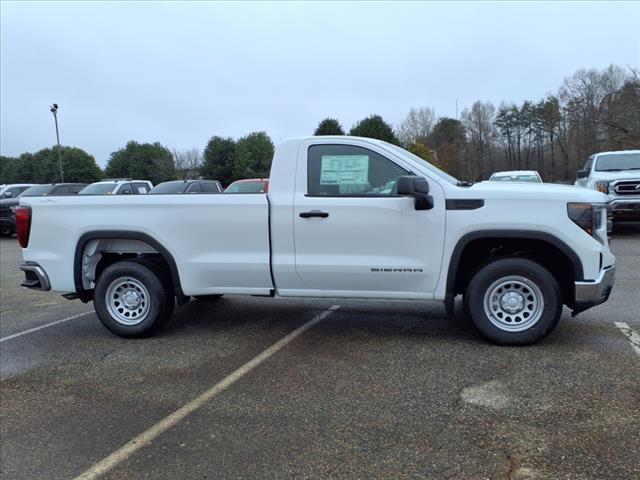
314, 213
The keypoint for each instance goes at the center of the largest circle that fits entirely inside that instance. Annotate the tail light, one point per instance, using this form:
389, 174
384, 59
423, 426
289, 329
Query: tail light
23, 225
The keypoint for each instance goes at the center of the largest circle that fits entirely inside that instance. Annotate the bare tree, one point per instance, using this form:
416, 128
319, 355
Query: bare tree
188, 163
479, 127
417, 126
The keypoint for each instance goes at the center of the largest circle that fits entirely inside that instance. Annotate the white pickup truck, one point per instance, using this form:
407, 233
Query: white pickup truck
617, 174
344, 217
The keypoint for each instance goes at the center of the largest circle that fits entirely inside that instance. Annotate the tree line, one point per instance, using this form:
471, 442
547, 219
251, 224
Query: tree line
593, 110
224, 159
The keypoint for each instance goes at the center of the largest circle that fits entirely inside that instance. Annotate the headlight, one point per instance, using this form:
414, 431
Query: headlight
602, 187
591, 217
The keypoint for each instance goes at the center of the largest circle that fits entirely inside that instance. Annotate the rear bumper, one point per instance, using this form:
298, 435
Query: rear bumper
8, 223
35, 276
592, 293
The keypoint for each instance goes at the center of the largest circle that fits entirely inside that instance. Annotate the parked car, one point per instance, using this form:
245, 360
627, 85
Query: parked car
516, 176
616, 174
14, 189
118, 187
516, 252
249, 185
187, 186
7, 205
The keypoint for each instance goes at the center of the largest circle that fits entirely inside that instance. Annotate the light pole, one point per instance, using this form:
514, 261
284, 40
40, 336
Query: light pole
54, 110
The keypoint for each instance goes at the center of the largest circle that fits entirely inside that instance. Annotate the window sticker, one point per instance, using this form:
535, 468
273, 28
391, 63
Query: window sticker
344, 169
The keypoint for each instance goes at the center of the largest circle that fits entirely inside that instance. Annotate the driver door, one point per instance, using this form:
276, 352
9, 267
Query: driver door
354, 236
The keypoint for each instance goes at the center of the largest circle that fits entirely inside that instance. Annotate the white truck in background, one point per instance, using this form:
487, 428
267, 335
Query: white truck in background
616, 174
343, 217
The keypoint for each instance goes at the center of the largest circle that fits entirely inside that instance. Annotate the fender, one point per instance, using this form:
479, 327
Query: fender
450, 293
86, 295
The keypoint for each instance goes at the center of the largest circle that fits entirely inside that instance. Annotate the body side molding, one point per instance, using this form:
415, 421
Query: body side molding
464, 203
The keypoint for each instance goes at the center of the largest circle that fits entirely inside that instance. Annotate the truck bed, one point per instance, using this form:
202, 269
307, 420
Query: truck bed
220, 243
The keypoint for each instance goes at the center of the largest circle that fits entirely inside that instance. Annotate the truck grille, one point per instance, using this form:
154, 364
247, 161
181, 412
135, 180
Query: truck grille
5, 212
627, 187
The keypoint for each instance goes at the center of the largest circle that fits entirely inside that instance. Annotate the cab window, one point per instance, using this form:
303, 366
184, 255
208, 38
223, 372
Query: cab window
589, 163
141, 188
210, 187
347, 170
194, 188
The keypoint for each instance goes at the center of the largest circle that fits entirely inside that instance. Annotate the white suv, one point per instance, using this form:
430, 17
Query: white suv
618, 175
117, 187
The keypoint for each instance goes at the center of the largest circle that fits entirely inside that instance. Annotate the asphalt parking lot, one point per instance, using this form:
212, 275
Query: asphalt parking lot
368, 390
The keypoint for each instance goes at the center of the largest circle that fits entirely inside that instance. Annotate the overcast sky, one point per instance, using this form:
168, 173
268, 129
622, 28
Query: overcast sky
179, 73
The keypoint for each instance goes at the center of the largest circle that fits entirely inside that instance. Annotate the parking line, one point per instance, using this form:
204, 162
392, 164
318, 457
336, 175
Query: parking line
132, 446
46, 325
632, 336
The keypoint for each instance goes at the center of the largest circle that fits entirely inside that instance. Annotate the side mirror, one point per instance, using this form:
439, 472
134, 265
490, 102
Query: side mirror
582, 173
416, 187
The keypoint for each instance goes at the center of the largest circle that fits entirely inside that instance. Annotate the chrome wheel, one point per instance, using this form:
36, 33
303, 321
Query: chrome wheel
513, 303
127, 300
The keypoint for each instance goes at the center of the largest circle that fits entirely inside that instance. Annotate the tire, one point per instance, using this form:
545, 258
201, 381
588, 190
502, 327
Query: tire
148, 294
208, 298
514, 301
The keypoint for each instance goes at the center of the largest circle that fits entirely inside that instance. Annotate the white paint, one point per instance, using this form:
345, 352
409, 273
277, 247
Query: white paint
492, 394
46, 325
632, 336
170, 421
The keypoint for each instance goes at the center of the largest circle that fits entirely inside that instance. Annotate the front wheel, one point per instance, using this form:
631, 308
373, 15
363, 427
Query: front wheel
132, 298
514, 301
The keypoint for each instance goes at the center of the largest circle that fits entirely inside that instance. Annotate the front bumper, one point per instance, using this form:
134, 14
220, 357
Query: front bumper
35, 276
591, 293
625, 207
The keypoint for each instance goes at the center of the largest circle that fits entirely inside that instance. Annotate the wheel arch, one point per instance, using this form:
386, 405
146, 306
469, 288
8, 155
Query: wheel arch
457, 275
154, 245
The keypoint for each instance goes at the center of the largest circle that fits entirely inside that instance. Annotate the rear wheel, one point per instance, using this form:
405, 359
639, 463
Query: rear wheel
133, 298
514, 301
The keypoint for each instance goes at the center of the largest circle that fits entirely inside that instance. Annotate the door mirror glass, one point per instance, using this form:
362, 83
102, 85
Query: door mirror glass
582, 173
410, 185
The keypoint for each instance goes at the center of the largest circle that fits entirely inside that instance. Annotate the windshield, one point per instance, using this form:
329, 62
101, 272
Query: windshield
170, 187
618, 161
421, 161
516, 178
36, 191
98, 189
246, 187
